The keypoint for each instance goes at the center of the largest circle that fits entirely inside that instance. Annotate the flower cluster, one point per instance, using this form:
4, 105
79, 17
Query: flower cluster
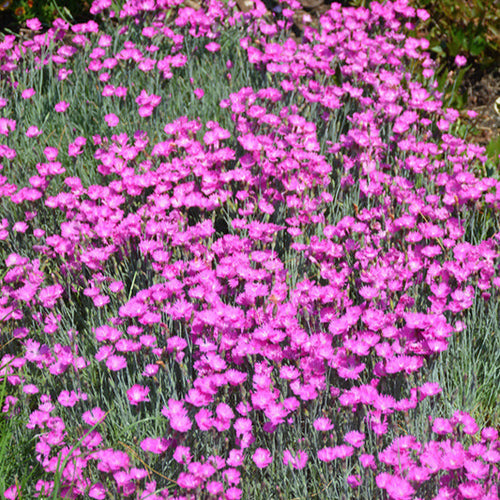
260, 288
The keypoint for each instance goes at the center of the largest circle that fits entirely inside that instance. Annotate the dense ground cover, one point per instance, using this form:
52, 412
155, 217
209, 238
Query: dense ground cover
239, 264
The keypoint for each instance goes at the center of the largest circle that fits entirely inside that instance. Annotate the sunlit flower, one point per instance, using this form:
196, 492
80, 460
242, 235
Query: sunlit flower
28, 93
138, 394
33, 131
116, 363
61, 106
111, 119
298, 459
262, 458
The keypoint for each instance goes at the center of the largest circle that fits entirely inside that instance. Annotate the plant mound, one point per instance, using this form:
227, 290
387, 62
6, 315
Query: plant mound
240, 264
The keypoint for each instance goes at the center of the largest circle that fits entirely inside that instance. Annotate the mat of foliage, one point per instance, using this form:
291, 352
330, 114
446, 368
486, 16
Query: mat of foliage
235, 264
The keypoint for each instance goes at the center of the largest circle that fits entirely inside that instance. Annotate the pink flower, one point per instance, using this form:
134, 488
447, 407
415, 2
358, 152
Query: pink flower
460, 61
236, 458
33, 131
212, 47
224, 411
30, 389
33, 24
489, 434
297, 461
11, 492
188, 481
94, 416
355, 438
150, 370
145, 111
323, 424
20, 227
116, 286
28, 93
116, 363
262, 458
50, 153
233, 493
180, 423
182, 455
442, 426
101, 300
471, 490
232, 476
97, 491
423, 15
215, 488
368, 461
137, 394
154, 445
112, 120
61, 106
397, 487
354, 480
199, 93
48, 296
67, 399
429, 389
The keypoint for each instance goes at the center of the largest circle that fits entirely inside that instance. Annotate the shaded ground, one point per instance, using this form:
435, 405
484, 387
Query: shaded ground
482, 92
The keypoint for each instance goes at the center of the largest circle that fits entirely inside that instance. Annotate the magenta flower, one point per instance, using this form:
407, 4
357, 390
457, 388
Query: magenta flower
215, 488
28, 93
33, 131
397, 487
34, 24
150, 370
323, 424
116, 363
97, 491
116, 286
182, 455
155, 445
297, 460
489, 434
50, 153
112, 120
11, 492
442, 426
460, 61
232, 476
262, 458
48, 296
145, 111
423, 15
212, 47
94, 416
236, 458
199, 93
429, 389
355, 438
67, 399
61, 106
137, 394
233, 493
100, 300
30, 389
180, 422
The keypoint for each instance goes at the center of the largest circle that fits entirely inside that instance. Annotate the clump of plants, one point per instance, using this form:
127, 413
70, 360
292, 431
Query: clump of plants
236, 264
